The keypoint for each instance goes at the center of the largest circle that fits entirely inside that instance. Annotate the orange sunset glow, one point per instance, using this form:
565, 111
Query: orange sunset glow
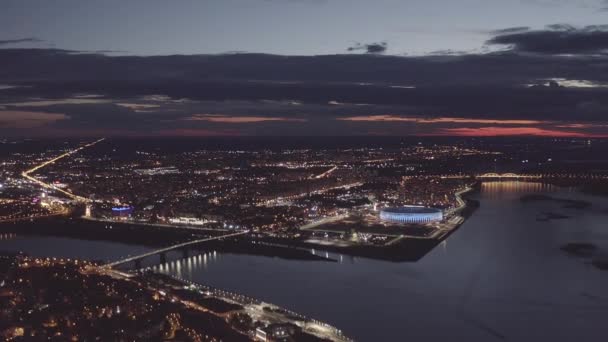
422, 120
240, 119
517, 131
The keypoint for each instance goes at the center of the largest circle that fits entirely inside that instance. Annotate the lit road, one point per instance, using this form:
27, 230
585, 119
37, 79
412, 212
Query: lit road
170, 248
259, 311
461, 203
326, 173
320, 222
304, 194
26, 174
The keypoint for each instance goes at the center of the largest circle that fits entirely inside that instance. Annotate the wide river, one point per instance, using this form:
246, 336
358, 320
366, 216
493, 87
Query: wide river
501, 276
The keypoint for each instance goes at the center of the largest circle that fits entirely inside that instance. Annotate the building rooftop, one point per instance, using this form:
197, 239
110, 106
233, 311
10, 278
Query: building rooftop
411, 209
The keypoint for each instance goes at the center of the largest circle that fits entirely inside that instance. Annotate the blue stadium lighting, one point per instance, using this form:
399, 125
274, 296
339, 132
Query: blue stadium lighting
411, 214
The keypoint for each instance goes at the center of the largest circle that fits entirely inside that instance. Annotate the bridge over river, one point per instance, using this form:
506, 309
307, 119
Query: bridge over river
527, 176
171, 248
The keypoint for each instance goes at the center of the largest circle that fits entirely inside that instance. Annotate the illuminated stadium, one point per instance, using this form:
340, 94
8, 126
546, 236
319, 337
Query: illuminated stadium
122, 212
411, 214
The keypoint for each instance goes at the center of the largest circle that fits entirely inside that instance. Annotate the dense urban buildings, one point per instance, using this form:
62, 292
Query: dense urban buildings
74, 300
396, 202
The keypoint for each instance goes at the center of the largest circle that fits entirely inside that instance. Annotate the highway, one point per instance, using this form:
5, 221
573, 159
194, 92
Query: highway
26, 174
170, 248
323, 221
326, 173
461, 203
304, 194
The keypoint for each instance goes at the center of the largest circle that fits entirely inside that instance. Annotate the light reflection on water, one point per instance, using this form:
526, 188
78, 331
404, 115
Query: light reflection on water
498, 189
7, 236
183, 267
198, 261
500, 276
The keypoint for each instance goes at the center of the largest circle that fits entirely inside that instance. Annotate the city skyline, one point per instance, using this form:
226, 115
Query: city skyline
303, 170
242, 239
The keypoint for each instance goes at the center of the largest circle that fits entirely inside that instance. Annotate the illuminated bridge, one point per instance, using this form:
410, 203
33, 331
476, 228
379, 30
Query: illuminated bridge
507, 175
170, 248
490, 175
515, 176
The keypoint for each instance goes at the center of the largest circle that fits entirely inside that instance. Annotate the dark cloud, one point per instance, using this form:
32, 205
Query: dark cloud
20, 40
510, 30
417, 111
373, 48
266, 94
557, 39
448, 52
104, 52
562, 27
50, 72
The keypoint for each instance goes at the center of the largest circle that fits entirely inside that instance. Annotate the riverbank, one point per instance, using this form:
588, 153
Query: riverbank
226, 301
457, 290
402, 250
150, 236
144, 305
155, 236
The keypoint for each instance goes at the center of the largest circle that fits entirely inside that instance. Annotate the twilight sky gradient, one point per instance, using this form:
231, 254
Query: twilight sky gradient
287, 27
304, 67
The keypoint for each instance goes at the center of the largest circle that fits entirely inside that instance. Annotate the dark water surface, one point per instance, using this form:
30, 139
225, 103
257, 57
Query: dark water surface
501, 276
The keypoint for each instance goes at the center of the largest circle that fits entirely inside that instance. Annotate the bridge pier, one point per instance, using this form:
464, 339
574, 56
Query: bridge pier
163, 258
185, 253
138, 264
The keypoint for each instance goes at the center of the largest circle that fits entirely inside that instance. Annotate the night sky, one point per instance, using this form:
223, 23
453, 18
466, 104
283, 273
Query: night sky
304, 67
